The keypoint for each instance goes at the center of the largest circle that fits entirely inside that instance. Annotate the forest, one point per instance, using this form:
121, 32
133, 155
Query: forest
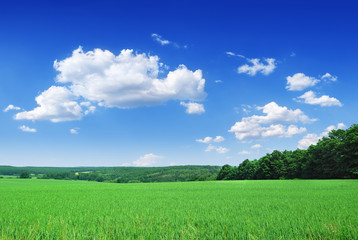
333, 157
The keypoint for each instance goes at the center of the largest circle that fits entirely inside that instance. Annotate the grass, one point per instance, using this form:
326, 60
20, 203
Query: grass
291, 209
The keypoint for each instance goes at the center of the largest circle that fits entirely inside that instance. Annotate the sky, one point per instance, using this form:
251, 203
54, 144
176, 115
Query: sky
161, 83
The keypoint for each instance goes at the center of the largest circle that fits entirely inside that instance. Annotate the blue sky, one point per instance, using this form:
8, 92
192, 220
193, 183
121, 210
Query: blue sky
158, 83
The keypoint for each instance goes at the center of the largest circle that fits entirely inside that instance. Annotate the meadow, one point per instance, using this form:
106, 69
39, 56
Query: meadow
261, 209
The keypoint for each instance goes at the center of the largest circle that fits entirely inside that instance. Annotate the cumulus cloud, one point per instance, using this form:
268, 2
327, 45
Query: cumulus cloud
309, 139
300, 81
127, 80
193, 108
324, 101
256, 146
254, 126
27, 129
257, 66
56, 104
332, 127
74, 131
220, 150
312, 138
205, 140
11, 107
218, 139
329, 77
147, 160
211, 140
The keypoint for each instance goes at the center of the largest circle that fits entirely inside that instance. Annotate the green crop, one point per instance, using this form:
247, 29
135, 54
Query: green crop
268, 209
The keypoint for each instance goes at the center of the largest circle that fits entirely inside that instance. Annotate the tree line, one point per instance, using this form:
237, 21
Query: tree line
117, 174
333, 157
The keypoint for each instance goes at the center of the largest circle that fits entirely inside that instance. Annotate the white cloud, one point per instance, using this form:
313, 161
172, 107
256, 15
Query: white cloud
235, 55
218, 81
293, 54
281, 131
324, 101
219, 139
74, 131
147, 160
159, 39
246, 108
257, 66
11, 107
56, 104
27, 129
300, 81
205, 140
275, 113
231, 53
244, 152
210, 139
256, 146
125, 81
311, 138
193, 108
220, 150
332, 127
252, 127
329, 77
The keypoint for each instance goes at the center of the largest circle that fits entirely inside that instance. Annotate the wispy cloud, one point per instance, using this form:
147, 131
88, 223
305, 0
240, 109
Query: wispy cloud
147, 160
11, 107
329, 77
256, 146
256, 66
156, 37
235, 55
27, 129
244, 152
211, 140
218, 149
74, 131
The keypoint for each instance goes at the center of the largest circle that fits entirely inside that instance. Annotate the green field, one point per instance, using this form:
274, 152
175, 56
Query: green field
268, 209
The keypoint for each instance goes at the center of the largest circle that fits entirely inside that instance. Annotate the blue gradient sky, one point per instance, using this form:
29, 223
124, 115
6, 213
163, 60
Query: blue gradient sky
311, 38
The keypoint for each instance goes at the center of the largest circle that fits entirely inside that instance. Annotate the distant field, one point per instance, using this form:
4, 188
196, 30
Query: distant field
269, 209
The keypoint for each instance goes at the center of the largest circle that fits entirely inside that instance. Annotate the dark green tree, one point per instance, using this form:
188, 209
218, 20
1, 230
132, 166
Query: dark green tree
25, 175
227, 172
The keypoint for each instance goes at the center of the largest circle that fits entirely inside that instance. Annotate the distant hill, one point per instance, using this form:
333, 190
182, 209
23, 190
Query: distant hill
119, 174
